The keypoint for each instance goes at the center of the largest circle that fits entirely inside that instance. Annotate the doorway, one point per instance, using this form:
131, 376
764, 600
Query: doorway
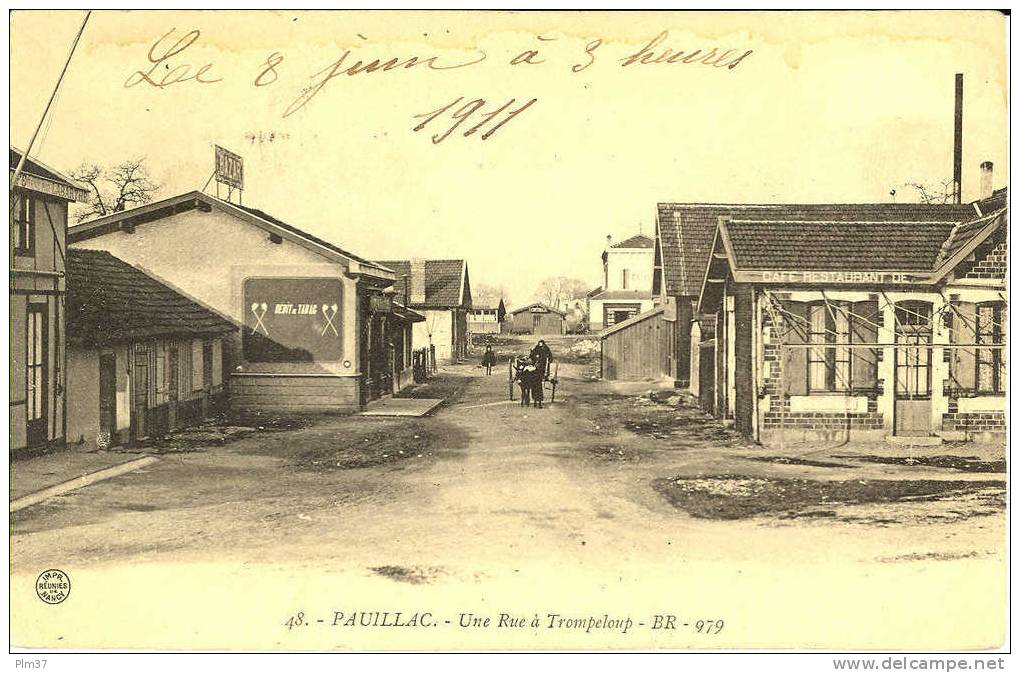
912, 407
37, 374
108, 398
140, 394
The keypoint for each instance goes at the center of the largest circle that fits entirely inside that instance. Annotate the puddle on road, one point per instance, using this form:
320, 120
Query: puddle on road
411, 575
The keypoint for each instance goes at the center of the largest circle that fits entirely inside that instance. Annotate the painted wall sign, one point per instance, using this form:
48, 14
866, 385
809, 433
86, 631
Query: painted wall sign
44, 186
292, 320
832, 277
229, 168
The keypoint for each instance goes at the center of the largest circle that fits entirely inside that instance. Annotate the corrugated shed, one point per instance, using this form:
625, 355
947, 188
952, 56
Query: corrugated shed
110, 301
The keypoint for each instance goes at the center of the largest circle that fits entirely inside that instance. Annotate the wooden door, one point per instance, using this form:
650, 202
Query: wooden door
912, 412
140, 395
108, 397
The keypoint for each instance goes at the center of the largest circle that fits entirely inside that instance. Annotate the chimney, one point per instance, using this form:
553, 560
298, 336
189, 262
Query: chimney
958, 142
986, 179
417, 281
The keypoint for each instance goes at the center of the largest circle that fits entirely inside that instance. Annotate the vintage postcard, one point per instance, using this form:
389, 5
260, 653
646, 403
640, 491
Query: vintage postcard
494, 330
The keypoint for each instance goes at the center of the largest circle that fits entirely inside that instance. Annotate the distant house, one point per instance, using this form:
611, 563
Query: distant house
537, 319
626, 282
142, 358
486, 319
440, 290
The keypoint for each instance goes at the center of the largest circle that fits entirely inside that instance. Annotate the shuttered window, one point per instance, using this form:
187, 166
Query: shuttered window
829, 367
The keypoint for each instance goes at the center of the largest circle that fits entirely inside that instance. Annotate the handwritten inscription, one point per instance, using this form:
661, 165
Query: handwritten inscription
168, 66
465, 111
160, 73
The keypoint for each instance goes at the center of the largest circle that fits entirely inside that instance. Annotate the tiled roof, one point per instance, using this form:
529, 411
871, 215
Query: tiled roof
442, 281
303, 234
687, 230
878, 246
636, 241
110, 301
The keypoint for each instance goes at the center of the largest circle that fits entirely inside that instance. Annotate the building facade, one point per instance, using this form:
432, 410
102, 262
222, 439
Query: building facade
38, 366
142, 359
860, 329
439, 290
486, 319
317, 327
537, 319
626, 283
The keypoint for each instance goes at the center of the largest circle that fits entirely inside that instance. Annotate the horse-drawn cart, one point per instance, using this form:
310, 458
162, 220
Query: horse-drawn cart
515, 366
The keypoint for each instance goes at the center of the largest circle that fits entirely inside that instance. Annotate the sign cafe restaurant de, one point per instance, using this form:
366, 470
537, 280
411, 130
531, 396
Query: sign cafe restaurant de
321, 329
877, 322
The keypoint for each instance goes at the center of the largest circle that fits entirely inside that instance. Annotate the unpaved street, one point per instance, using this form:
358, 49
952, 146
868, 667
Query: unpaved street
486, 492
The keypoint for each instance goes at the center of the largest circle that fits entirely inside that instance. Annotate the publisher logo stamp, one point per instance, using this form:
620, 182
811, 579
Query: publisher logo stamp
53, 586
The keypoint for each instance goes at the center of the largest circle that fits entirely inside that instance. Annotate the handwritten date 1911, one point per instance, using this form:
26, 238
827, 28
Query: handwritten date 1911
462, 113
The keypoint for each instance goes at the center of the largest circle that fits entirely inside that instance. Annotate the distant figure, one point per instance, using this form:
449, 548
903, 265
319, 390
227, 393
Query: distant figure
542, 357
488, 360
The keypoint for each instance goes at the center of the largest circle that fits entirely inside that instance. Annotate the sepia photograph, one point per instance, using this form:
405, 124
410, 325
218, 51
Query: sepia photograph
448, 331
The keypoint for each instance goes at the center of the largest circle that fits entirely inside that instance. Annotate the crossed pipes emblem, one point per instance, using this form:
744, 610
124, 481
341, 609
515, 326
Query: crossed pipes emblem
259, 311
329, 313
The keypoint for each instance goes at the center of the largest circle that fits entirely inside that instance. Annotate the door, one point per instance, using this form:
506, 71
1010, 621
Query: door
912, 412
108, 398
37, 374
140, 395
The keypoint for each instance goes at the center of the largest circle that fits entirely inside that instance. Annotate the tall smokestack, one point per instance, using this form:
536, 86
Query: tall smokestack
986, 179
958, 142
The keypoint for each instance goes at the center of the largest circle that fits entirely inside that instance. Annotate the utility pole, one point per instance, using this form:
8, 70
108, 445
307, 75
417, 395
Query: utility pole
31, 143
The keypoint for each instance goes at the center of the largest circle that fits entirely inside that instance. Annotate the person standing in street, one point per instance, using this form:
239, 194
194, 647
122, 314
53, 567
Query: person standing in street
543, 357
488, 360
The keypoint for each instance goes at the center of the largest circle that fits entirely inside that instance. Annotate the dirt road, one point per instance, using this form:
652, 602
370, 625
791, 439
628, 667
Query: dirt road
517, 504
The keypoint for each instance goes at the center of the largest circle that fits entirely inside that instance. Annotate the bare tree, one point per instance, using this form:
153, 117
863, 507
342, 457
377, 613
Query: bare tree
112, 190
487, 296
556, 292
943, 192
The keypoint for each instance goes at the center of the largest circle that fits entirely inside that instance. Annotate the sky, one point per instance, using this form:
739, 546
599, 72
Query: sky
825, 108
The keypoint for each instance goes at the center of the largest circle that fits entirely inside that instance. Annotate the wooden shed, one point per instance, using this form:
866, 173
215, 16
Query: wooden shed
537, 319
633, 349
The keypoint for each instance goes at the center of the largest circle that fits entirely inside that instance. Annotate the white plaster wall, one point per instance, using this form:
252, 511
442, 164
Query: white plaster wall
639, 262
437, 329
207, 256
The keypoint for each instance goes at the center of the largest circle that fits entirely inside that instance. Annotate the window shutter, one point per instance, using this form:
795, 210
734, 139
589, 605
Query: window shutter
795, 360
963, 369
864, 330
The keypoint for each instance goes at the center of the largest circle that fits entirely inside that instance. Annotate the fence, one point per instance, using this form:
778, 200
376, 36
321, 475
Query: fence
424, 363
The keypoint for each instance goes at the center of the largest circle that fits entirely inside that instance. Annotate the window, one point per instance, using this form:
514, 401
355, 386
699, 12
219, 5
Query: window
625, 279
36, 363
991, 366
23, 227
913, 364
829, 363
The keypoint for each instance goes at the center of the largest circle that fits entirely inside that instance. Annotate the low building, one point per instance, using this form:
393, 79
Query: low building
537, 319
37, 365
486, 319
857, 329
685, 233
440, 290
626, 282
142, 359
318, 330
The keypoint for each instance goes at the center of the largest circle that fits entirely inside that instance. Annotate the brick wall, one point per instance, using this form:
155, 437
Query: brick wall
984, 421
992, 265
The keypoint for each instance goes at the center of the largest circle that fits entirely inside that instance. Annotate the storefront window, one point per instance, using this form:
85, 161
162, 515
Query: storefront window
829, 364
989, 361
